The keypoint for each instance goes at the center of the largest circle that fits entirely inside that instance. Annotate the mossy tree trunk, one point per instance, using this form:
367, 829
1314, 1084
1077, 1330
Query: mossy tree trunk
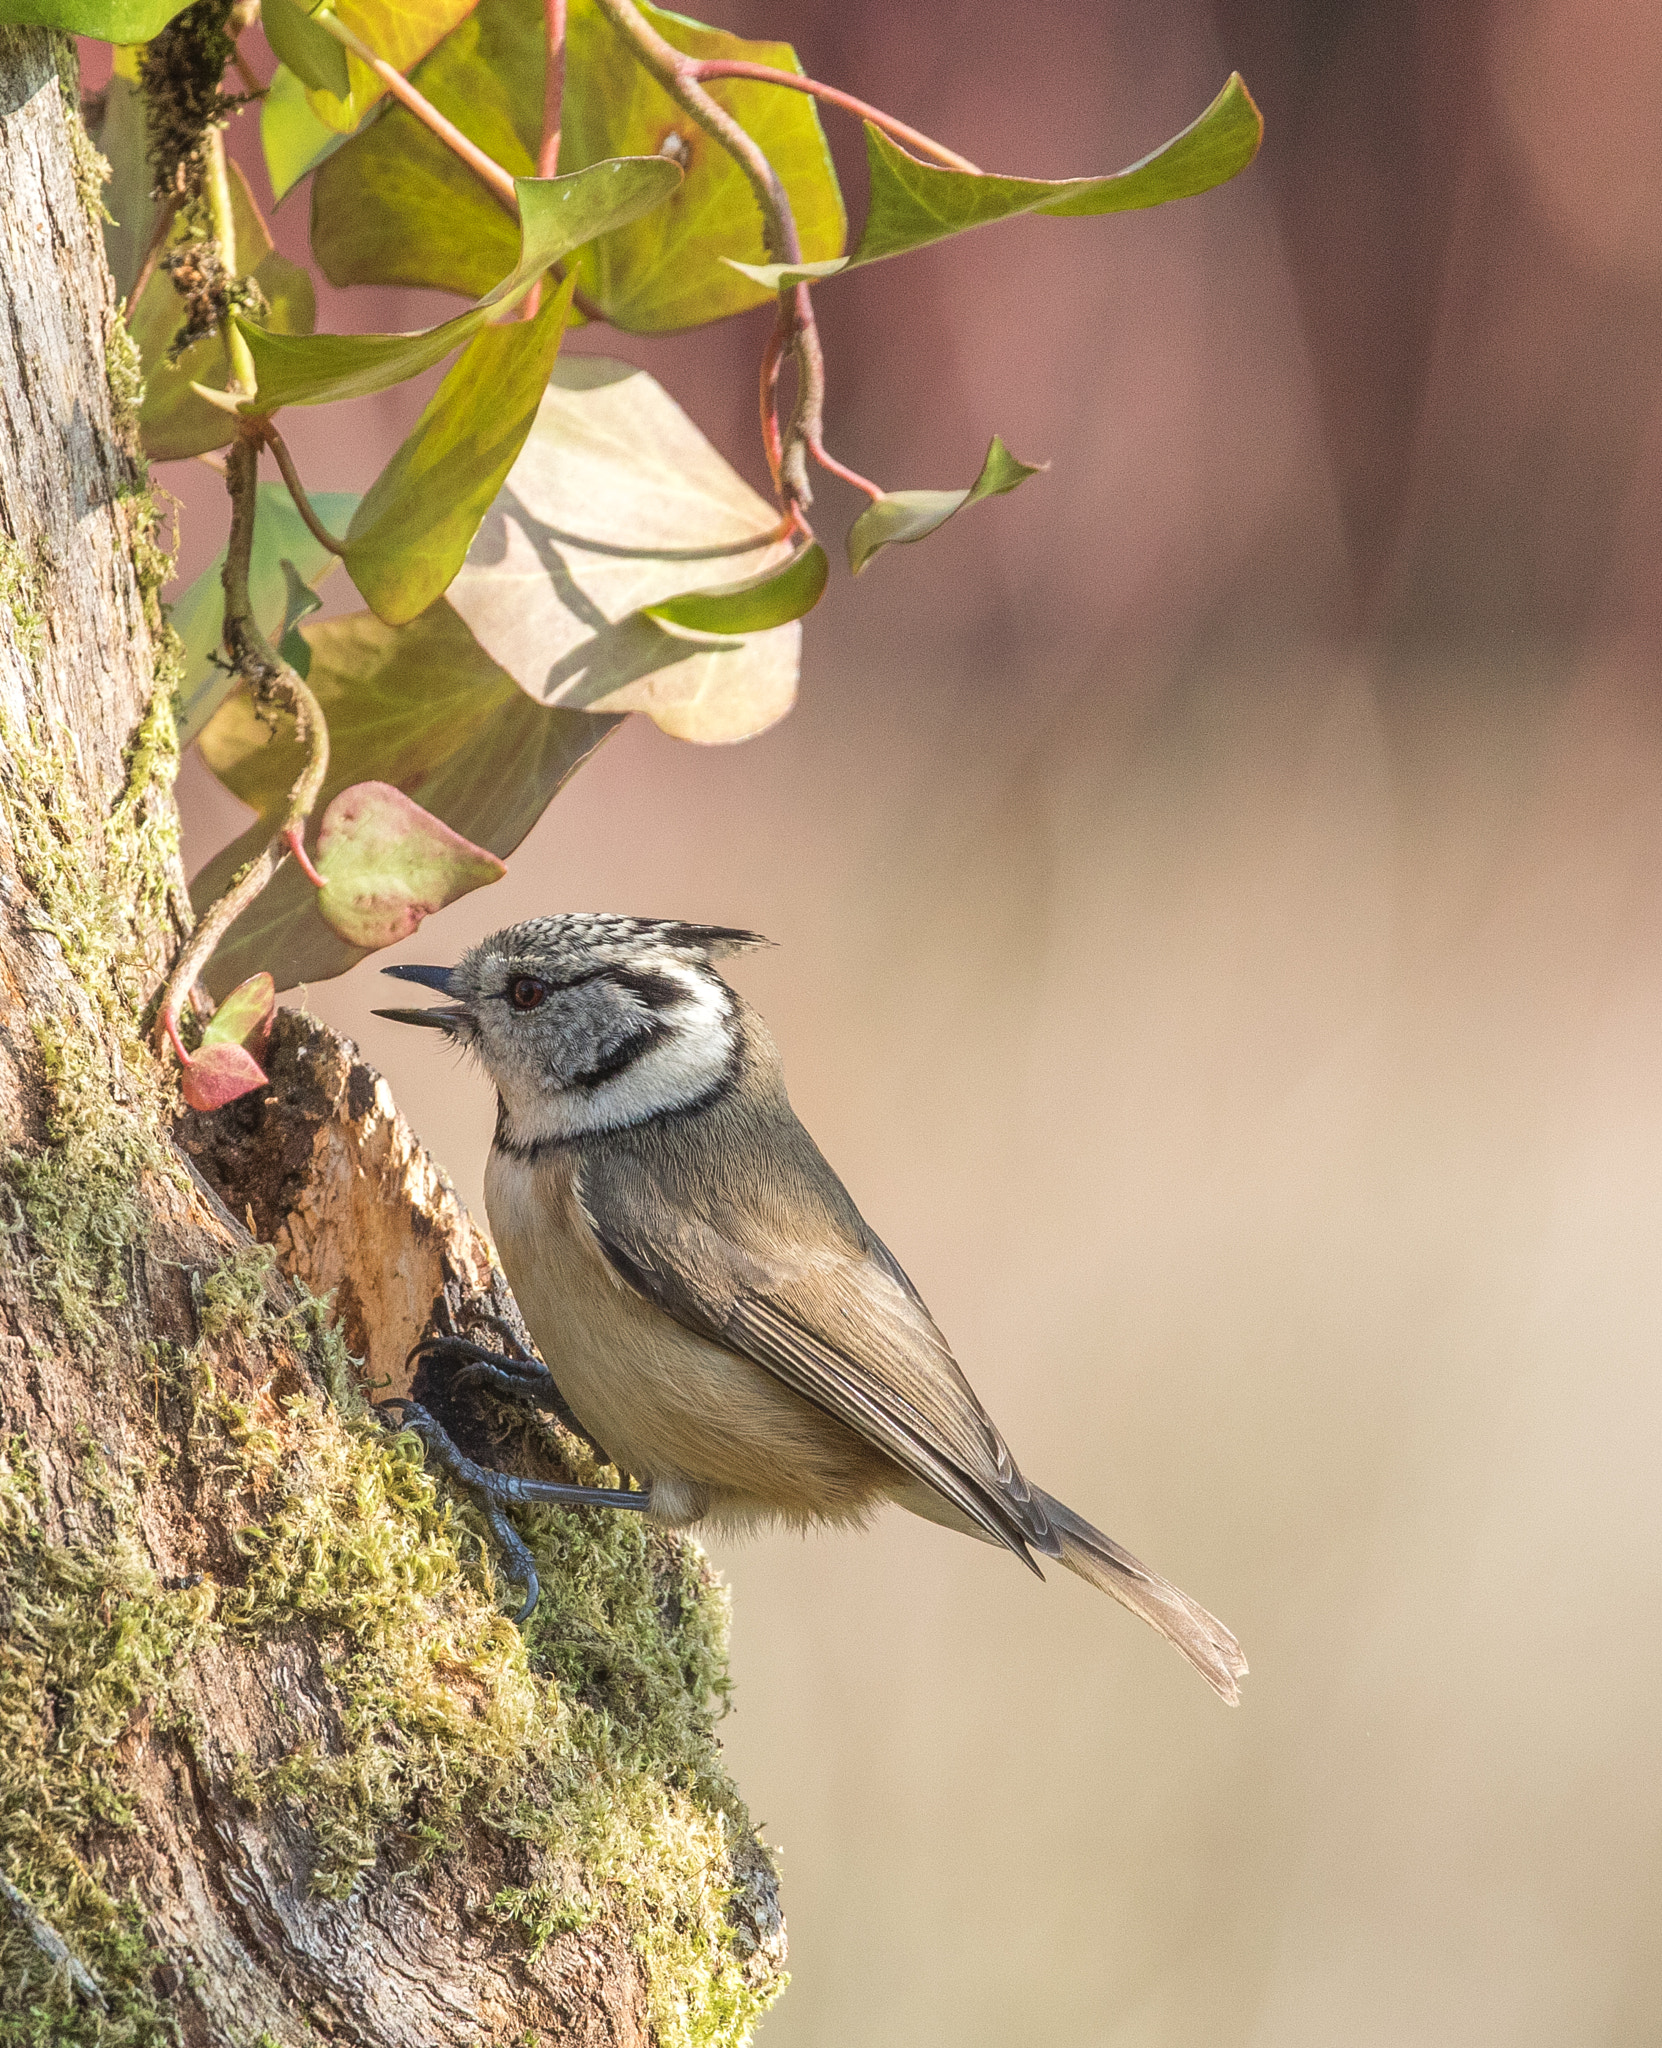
273, 1767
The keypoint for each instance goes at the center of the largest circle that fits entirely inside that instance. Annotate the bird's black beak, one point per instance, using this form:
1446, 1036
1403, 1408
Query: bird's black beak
445, 1018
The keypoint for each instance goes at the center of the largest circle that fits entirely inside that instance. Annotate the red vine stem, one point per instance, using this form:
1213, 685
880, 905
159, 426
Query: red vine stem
767, 74
678, 74
816, 448
482, 166
772, 358
554, 23
553, 91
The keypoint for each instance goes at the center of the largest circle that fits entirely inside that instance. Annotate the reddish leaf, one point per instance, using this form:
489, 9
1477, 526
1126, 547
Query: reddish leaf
386, 864
244, 1018
218, 1074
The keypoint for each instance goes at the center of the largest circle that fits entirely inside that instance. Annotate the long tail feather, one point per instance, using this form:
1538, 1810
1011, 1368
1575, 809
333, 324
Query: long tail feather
1201, 1637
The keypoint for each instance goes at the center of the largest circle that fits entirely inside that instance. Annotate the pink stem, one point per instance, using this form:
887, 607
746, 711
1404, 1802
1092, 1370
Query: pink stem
766, 74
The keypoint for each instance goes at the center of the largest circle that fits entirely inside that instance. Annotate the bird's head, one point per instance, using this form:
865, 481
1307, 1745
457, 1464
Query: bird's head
590, 1022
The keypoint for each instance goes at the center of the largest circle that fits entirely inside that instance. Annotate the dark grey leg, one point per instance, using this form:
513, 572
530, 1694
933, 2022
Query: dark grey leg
497, 1491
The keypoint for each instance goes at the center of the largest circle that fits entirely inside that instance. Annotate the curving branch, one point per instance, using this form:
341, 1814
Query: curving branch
553, 92
787, 449
275, 687
297, 490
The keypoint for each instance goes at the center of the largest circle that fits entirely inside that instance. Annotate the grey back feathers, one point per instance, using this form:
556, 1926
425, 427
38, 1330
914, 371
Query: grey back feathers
643, 1109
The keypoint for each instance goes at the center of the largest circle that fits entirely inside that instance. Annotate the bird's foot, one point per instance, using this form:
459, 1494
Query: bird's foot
515, 1375
496, 1492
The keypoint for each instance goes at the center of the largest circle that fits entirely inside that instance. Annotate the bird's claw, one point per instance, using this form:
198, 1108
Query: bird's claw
495, 1492
516, 1377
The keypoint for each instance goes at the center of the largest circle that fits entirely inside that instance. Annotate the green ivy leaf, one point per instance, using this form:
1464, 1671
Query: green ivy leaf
420, 706
107, 21
310, 52
616, 504
410, 535
913, 203
665, 272
296, 142
397, 207
244, 1018
401, 32
772, 598
909, 515
557, 215
173, 420
387, 864
281, 537
302, 600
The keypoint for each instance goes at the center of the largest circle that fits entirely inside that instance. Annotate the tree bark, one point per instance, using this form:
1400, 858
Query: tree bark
273, 1766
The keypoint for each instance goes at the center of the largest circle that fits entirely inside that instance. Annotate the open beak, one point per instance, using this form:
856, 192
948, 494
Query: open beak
444, 1018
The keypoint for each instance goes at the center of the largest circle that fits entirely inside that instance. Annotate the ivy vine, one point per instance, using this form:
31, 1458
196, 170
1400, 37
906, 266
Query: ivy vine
555, 544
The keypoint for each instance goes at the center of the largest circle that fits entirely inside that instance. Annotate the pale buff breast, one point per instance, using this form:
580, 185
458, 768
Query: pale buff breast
710, 1431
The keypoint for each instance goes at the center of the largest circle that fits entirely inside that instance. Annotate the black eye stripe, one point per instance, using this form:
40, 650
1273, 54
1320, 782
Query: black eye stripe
657, 991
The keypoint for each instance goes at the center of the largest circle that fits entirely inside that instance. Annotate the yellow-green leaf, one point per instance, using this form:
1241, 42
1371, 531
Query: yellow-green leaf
556, 216
772, 598
387, 864
296, 142
909, 515
244, 1018
310, 52
914, 203
107, 21
420, 706
409, 536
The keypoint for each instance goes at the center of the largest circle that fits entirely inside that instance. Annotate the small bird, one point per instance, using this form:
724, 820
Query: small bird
715, 1312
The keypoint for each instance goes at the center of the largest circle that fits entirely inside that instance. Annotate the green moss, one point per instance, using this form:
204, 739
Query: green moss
90, 167
88, 1641
22, 594
124, 368
589, 1740
100, 886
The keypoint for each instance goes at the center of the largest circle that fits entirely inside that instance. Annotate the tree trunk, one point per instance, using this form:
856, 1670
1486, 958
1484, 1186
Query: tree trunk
274, 1768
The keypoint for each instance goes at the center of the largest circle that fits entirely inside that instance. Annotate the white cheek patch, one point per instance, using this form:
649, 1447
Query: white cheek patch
680, 1067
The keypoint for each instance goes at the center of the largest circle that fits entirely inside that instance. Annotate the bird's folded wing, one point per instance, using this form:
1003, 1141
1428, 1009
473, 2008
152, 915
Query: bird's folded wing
837, 1322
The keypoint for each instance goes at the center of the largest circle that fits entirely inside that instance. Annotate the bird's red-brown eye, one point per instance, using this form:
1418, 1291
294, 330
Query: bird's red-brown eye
525, 992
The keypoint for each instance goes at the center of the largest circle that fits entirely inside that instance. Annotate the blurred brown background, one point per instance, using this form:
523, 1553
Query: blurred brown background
1220, 945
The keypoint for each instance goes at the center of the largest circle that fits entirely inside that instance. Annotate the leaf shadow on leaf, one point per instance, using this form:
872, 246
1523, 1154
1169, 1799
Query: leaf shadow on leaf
618, 504
617, 652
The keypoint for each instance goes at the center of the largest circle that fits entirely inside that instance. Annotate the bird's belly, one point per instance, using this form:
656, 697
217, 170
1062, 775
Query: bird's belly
710, 1431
